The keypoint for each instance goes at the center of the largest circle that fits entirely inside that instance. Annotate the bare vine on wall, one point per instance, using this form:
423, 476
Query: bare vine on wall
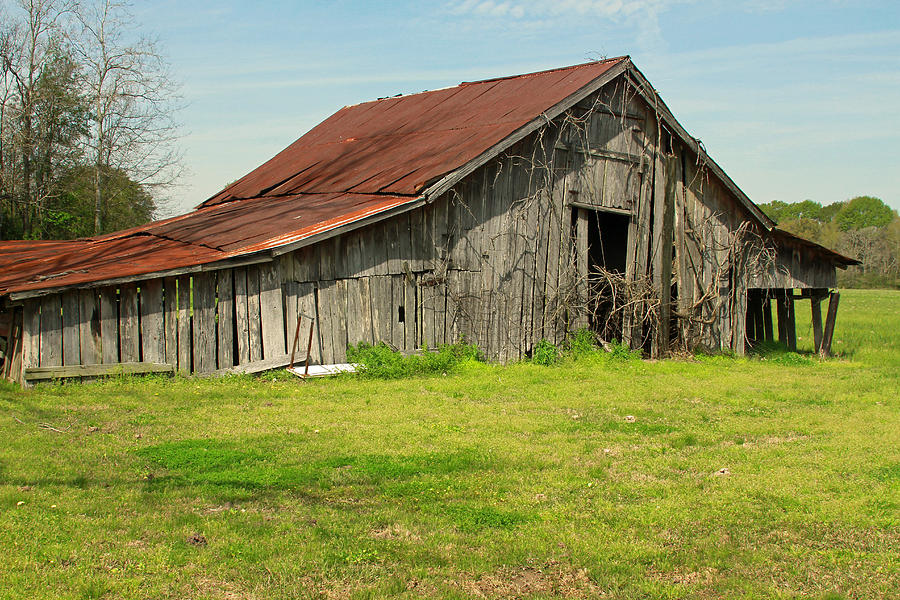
553, 167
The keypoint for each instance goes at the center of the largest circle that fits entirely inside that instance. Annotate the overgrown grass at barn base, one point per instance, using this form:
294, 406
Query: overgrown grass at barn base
776, 475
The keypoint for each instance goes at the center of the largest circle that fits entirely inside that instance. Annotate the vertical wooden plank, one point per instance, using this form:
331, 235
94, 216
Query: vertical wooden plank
373, 248
581, 264
109, 325
290, 315
781, 304
31, 333
758, 317
830, 321
767, 316
241, 316
51, 331
355, 327
395, 302
89, 326
339, 315
325, 298
204, 325
661, 269
410, 304
791, 322
271, 301
253, 313
70, 333
359, 311
382, 315
306, 308
129, 324
153, 334
816, 309
301, 260
185, 337
225, 309
13, 366
170, 301
365, 296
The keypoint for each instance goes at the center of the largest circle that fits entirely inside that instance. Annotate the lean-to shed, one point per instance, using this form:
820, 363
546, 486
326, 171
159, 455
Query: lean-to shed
501, 212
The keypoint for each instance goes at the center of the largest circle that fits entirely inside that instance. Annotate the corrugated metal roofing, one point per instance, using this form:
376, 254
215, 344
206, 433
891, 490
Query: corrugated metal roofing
206, 235
398, 145
363, 160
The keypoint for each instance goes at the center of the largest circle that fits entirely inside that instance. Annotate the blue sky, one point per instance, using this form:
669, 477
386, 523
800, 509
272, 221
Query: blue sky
794, 99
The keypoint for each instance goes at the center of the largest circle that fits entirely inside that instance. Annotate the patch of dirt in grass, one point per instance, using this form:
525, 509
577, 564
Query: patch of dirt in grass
769, 440
687, 577
210, 587
394, 532
550, 579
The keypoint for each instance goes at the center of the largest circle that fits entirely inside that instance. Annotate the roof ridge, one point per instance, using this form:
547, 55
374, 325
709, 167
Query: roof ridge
545, 71
492, 80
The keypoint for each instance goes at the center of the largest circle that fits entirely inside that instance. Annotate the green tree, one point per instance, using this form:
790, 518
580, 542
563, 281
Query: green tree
862, 212
72, 212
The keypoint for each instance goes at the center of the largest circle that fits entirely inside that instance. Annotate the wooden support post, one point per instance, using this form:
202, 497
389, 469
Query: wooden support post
816, 308
758, 318
751, 322
767, 317
781, 301
791, 322
582, 266
663, 230
829, 323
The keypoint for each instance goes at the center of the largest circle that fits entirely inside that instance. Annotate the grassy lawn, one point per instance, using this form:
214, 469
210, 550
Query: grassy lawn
719, 477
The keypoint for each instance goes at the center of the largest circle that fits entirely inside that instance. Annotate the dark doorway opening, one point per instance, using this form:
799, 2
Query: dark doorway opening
607, 259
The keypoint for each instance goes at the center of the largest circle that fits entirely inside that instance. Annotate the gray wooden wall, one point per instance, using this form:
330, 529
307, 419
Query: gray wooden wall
497, 261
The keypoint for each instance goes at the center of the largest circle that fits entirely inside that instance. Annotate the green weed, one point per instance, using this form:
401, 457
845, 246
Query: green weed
382, 362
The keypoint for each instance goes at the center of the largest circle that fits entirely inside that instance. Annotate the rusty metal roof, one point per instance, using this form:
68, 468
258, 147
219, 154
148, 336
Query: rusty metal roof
363, 160
206, 235
399, 145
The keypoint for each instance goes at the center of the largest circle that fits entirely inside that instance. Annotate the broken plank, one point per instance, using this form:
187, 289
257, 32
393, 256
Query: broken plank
130, 368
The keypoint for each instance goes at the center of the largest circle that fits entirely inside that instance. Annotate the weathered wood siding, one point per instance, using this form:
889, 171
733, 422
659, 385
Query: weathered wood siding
499, 261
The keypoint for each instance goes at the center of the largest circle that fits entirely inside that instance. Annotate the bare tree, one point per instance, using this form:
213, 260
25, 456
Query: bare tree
39, 99
132, 98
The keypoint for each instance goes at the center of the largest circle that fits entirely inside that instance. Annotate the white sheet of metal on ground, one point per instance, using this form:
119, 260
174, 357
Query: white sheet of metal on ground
323, 370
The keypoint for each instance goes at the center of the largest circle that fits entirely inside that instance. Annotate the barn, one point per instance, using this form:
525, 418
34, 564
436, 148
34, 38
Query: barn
501, 212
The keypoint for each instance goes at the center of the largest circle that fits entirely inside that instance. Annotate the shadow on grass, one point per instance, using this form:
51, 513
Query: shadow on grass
236, 468
778, 353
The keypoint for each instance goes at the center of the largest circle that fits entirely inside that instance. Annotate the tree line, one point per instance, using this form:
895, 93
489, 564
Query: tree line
87, 136
864, 228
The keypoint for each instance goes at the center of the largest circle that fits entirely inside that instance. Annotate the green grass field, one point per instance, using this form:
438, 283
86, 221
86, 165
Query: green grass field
765, 477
